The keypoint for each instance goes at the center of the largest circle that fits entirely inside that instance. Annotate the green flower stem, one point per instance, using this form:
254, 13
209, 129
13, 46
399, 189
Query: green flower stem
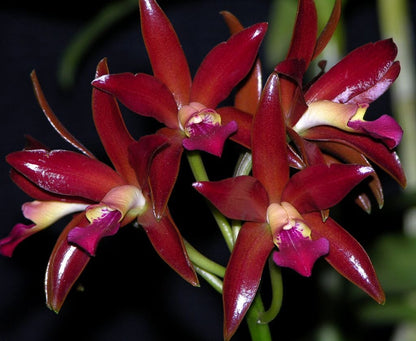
244, 164
203, 262
258, 331
200, 174
277, 290
212, 280
83, 41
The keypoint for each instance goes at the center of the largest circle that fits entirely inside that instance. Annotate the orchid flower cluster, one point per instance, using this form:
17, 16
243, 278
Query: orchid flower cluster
305, 144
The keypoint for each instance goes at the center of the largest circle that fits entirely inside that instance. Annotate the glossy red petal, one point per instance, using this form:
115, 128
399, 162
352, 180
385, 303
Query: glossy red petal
65, 265
38, 193
270, 160
165, 52
305, 31
380, 87
226, 65
143, 94
249, 91
329, 29
111, 127
350, 155
241, 198
53, 120
141, 155
243, 274
244, 120
66, 173
164, 170
359, 71
167, 241
375, 151
346, 255
321, 187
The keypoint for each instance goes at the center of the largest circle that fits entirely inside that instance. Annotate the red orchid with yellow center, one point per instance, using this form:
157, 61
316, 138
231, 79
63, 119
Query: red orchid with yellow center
187, 107
329, 111
64, 182
285, 212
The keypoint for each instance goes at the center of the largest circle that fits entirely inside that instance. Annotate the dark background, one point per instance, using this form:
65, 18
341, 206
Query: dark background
129, 293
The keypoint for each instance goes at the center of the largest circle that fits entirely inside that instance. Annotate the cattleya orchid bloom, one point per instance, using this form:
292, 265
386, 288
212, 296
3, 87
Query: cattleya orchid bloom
64, 182
284, 212
330, 111
186, 107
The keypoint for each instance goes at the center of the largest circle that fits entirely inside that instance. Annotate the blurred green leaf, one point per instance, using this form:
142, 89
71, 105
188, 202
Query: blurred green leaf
394, 258
83, 41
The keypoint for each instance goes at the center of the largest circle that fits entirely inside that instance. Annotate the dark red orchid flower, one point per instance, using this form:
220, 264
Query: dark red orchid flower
329, 111
64, 182
186, 107
284, 212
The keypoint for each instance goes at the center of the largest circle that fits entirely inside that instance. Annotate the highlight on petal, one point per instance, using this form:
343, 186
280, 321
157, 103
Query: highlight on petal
66, 172
356, 73
244, 270
103, 222
65, 265
346, 255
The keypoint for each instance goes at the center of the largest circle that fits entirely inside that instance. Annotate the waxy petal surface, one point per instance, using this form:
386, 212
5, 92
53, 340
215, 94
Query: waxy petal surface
243, 274
304, 35
164, 170
111, 128
359, 71
165, 52
38, 193
346, 255
270, 160
65, 265
167, 241
141, 155
249, 92
65, 172
143, 94
375, 151
320, 187
226, 65
241, 197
